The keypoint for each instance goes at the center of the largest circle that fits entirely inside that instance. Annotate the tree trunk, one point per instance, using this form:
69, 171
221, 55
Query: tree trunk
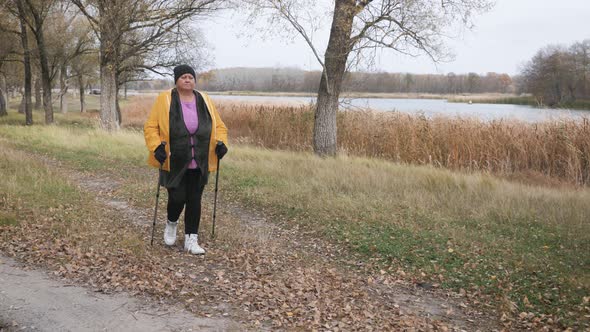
108, 97
45, 75
3, 96
109, 52
119, 118
63, 93
81, 89
125, 92
339, 46
38, 93
3, 111
22, 104
118, 106
27, 102
325, 128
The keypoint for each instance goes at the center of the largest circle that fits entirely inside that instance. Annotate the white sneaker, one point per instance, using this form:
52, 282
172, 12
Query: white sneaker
191, 244
170, 233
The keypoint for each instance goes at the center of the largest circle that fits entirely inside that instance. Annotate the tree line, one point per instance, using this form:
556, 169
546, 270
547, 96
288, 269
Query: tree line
49, 44
297, 80
559, 75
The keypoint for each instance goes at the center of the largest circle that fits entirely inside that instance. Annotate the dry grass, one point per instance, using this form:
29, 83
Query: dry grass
476, 232
554, 149
499, 241
543, 153
537, 152
136, 111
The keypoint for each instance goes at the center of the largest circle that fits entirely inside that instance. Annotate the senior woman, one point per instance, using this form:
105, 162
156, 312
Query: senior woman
185, 136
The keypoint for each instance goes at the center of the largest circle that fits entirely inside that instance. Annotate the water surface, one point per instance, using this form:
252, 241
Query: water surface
428, 107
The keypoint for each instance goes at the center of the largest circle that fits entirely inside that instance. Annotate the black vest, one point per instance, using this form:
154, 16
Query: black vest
180, 143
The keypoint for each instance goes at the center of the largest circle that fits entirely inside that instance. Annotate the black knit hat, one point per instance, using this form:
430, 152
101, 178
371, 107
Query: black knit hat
181, 70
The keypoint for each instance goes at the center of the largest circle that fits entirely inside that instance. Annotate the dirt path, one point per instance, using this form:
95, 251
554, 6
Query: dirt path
30, 300
264, 273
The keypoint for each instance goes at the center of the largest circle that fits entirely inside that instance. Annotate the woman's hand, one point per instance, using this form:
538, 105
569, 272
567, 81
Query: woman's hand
160, 153
220, 150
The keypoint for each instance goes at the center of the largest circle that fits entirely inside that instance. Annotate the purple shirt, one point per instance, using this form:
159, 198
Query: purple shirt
191, 121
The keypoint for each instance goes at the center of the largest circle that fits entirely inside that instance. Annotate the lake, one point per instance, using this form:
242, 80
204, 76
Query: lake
428, 107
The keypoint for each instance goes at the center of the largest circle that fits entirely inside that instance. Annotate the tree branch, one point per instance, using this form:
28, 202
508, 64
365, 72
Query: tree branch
93, 21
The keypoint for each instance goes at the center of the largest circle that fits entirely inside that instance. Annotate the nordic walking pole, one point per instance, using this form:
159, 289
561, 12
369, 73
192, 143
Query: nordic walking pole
157, 198
215, 200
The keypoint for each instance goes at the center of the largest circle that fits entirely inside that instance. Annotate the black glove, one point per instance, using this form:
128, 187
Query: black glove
220, 150
160, 153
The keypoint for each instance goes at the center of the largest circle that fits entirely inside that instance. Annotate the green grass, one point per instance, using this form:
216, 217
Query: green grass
519, 245
92, 103
84, 146
8, 219
474, 232
29, 180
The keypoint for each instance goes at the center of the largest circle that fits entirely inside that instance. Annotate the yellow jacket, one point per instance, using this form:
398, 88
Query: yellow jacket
157, 130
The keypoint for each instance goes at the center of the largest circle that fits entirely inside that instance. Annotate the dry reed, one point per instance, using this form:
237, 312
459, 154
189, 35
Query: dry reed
550, 150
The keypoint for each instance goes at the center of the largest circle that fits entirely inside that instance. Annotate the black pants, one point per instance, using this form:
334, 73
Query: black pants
189, 192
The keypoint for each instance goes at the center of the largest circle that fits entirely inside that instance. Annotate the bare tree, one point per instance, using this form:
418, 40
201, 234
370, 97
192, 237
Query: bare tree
9, 55
71, 37
558, 75
34, 13
38, 98
472, 82
184, 44
580, 66
84, 68
142, 25
359, 28
27, 63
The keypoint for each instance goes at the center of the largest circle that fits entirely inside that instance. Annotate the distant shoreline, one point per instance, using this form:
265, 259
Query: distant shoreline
475, 98
396, 95
462, 97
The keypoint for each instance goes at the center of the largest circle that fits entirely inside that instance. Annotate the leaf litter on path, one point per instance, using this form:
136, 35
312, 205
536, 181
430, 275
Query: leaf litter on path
256, 271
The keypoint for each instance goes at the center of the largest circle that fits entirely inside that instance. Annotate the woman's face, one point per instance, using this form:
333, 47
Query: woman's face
186, 82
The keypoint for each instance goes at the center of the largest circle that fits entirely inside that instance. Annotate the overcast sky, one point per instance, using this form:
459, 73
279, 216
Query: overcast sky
502, 40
